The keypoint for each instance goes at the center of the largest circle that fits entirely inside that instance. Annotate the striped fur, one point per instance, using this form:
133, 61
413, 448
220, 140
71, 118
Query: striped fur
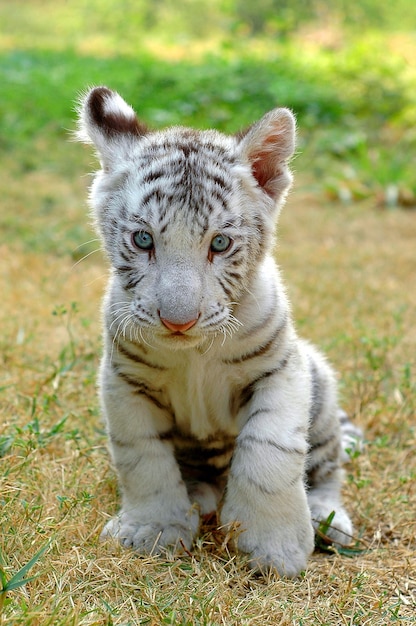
210, 397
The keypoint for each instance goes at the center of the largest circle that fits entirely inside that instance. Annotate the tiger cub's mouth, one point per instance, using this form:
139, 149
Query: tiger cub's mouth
181, 339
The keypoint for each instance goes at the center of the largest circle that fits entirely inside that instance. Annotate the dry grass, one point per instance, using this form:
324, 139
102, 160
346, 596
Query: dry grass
351, 275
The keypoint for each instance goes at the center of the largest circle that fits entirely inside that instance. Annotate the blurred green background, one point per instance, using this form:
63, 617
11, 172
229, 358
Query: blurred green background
347, 69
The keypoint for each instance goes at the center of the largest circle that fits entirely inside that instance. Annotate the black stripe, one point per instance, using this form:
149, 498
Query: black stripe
127, 258
152, 176
133, 382
201, 459
228, 292
243, 396
128, 466
267, 374
319, 472
123, 268
130, 443
140, 388
150, 195
240, 398
220, 181
319, 468
260, 351
163, 212
196, 455
121, 443
233, 277
138, 359
233, 252
259, 412
204, 472
215, 441
215, 314
264, 322
316, 391
133, 282
319, 445
269, 442
255, 483
215, 193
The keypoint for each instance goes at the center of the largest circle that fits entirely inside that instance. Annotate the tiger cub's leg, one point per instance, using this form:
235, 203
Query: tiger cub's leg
206, 495
156, 510
266, 493
324, 472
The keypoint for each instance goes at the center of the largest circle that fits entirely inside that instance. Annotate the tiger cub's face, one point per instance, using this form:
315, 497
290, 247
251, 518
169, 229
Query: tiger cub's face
186, 217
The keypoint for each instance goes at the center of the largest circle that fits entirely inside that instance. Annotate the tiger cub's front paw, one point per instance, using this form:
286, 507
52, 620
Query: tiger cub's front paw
280, 542
153, 537
286, 554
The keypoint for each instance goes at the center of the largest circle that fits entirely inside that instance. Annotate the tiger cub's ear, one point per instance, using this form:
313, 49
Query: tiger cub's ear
107, 122
268, 145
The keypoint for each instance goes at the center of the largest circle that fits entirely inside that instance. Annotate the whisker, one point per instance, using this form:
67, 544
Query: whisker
143, 339
85, 257
210, 345
120, 316
119, 304
115, 341
223, 329
141, 330
235, 322
86, 243
126, 322
254, 298
94, 280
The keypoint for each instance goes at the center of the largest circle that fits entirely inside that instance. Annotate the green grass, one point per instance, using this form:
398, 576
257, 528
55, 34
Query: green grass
346, 246
358, 93
19, 579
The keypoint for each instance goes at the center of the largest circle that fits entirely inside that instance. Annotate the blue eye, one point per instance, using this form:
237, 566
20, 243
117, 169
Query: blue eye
220, 243
143, 240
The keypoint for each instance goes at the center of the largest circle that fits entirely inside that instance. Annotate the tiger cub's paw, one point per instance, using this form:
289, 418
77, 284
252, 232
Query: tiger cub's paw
287, 554
153, 537
334, 522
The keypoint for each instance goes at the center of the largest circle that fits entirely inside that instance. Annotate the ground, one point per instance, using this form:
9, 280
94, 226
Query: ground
349, 272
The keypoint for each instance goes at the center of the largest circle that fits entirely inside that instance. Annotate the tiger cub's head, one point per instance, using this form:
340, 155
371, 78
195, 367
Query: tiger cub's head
186, 216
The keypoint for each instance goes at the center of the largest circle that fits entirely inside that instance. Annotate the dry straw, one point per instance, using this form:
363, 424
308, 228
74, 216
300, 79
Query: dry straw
350, 275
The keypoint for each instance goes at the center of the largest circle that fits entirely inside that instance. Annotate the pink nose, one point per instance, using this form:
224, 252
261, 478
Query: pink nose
178, 328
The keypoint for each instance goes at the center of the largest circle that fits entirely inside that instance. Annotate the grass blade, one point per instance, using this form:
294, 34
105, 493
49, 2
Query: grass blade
15, 584
19, 578
3, 580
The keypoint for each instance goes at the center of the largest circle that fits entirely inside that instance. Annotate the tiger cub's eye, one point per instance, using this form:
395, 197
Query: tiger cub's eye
220, 243
143, 240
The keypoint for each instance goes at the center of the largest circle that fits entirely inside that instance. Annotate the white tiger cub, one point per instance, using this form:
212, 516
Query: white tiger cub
210, 398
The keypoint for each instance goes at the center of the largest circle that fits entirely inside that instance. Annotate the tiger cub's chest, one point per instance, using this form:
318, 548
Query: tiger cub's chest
200, 394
